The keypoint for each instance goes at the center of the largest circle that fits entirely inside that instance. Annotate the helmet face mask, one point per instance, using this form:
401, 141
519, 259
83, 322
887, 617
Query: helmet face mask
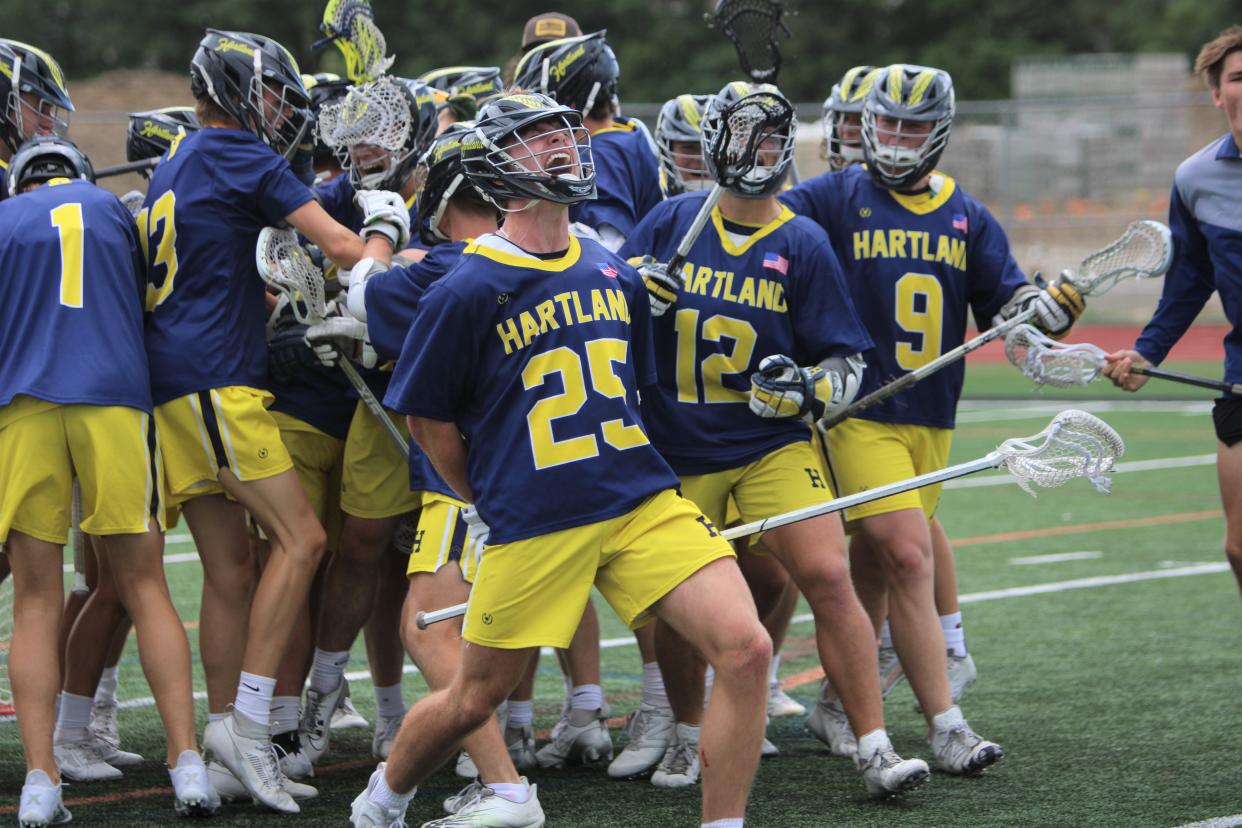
526, 147
679, 139
379, 130
749, 132
906, 122
35, 99
842, 118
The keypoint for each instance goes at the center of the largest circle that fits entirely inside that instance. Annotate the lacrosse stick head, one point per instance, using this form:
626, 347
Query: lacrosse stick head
379, 130
350, 24
1049, 362
286, 266
1144, 251
1075, 444
748, 138
755, 28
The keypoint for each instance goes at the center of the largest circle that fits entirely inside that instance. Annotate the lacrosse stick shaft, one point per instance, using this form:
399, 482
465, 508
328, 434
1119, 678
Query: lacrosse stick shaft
373, 405
132, 166
692, 235
1187, 379
79, 544
906, 380
991, 461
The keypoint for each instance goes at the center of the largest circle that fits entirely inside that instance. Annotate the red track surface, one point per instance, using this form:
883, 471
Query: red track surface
1201, 342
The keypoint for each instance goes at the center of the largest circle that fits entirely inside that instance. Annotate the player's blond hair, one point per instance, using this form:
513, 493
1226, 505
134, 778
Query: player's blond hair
1211, 59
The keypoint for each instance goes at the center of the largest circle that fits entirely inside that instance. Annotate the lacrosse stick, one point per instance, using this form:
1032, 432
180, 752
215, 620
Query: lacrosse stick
1144, 251
744, 127
6, 636
1062, 365
1075, 444
755, 29
286, 266
79, 543
129, 167
350, 26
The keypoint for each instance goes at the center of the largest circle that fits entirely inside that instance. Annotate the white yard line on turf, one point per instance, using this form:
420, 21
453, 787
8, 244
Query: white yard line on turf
971, 598
1218, 822
1060, 557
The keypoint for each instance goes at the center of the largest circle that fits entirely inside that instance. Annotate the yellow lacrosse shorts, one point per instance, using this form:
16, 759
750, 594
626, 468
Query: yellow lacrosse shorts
865, 455
112, 450
206, 431
442, 537
318, 458
532, 592
791, 477
375, 482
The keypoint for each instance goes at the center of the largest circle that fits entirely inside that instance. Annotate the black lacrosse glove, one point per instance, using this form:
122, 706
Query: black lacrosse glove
303, 162
289, 358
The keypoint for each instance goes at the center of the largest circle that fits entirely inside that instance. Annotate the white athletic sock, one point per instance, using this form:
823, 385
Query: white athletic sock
886, 637
216, 717
708, 680
521, 713
328, 669
389, 702
773, 681
75, 712
654, 693
386, 797
58, 695
869, 744
949, 718
514, 792
284, 714
587, 697
726, 823
105, 692
954, 635
254, 698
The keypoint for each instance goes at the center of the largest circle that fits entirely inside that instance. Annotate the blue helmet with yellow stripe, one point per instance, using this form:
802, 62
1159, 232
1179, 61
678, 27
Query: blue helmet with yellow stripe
907, 118
681, 122
842, 113
27, 73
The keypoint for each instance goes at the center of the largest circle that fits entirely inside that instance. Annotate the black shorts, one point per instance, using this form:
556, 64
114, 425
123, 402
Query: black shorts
1227, 417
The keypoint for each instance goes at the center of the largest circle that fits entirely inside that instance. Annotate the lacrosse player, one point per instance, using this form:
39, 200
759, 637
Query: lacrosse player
919, 254
34, 100
78, 403
207, 202
506, 352
759, 296
581, 73
379, 131
679, 140
841, 124
1205, 215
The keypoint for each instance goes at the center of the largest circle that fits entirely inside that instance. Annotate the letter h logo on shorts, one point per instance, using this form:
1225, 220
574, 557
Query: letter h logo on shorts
817, 480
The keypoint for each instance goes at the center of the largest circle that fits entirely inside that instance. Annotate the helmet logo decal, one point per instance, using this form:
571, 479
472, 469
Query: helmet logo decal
229, 45
150, 129
559, 68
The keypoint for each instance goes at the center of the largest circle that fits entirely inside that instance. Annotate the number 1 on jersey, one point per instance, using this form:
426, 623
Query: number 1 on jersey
67, 219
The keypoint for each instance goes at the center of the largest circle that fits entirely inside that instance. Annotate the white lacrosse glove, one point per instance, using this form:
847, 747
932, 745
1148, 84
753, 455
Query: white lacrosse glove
384, 213
334, 337
782, 389
356, 281
663, 287
133, 201
479, 531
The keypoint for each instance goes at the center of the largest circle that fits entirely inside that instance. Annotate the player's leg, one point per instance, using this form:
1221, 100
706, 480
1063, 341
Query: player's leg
650, 727
385, 654
581, 737
104, 709
776, 597
75, 601
871, 585
961, 664
1229, 475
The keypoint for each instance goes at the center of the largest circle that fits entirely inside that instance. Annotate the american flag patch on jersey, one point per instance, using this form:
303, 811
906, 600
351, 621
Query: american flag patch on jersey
960, 223
777, 262
607, 269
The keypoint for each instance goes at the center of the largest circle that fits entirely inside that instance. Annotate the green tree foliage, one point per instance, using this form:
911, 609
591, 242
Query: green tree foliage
663, 45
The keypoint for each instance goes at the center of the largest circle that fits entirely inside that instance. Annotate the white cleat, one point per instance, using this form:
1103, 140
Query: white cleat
41, 802
830, 725
521, 743
478, 806
80, 757
193, 794
962, 674
231, 790
650, 730
245, 749
386, 728
364, 813
768, 749
317, 712
886, 774
680, 766
781, 705
891, 672
583, 741
118, 758
960, 750
466, 768
347, 717
294, 763
103, 722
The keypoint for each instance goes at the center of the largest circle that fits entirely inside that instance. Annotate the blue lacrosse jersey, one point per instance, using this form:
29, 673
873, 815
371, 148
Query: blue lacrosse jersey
73, 273
747, 293
209, 197
1205, 217
321, 397
539, 363
915, 265
627, 178
4, 179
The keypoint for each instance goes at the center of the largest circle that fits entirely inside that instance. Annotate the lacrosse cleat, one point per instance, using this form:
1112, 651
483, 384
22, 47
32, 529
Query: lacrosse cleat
80, 757
245, 749
885, 774
830, 725
781, 704
583, 741
478, 806
193, 793
958, 749
41, 802
680, 766
650, 730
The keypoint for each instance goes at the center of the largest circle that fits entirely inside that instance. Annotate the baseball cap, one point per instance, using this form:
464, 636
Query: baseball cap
548, 26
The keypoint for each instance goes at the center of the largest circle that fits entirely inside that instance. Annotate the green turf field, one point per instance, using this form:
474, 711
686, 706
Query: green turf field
1111, 686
